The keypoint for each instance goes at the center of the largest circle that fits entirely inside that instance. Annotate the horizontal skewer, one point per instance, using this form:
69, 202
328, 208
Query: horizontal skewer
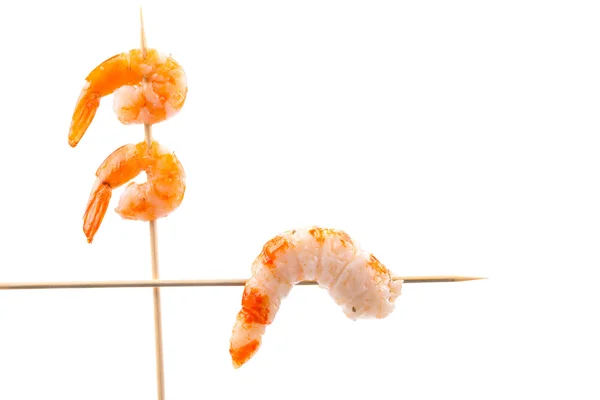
194, 283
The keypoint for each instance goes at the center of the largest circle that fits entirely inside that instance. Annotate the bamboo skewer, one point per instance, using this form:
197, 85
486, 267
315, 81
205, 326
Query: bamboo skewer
160, 375
156, 283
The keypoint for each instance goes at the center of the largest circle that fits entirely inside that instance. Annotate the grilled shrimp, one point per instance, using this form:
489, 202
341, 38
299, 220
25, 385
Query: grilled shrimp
158, 98
160, 195
355, 279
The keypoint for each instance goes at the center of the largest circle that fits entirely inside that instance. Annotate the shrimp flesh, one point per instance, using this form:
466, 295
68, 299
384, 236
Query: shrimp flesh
156, 99
160, 195
355, 280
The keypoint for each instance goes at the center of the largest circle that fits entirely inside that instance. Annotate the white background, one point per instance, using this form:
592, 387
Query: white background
445, 137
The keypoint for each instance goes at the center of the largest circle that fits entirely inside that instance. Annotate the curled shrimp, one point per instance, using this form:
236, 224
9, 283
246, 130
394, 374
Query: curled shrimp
355, 279
160, 195
160, 97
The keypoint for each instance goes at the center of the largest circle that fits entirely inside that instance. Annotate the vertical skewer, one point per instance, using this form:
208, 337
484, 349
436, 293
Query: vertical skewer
160, 375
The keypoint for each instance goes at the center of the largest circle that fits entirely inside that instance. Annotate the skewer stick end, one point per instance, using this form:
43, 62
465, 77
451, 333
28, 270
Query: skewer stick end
436, 278
468, 278
142, 32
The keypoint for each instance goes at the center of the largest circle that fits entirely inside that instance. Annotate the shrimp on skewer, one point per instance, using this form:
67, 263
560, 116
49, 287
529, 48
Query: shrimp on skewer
135, 101
355, 279
160, 195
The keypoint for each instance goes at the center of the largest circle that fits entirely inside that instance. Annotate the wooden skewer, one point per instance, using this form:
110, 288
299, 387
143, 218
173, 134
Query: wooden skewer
195, 283
160, 375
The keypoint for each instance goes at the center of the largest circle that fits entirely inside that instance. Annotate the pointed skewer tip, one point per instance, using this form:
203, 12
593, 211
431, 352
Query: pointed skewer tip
469, 278
142, 31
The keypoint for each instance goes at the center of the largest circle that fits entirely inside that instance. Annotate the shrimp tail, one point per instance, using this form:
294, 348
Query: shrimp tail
258, 311
244, 349
84, 113
96, 209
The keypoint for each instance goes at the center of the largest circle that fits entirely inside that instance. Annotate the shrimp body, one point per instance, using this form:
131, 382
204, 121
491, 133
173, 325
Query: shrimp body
355, 279
160, 195
158, 98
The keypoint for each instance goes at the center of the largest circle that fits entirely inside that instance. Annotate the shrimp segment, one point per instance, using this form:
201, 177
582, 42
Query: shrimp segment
355, 279
135, 101
160, 195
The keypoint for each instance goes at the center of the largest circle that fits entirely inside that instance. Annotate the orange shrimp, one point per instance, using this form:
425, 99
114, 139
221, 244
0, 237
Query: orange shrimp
160, 195
135, 101
355, 279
